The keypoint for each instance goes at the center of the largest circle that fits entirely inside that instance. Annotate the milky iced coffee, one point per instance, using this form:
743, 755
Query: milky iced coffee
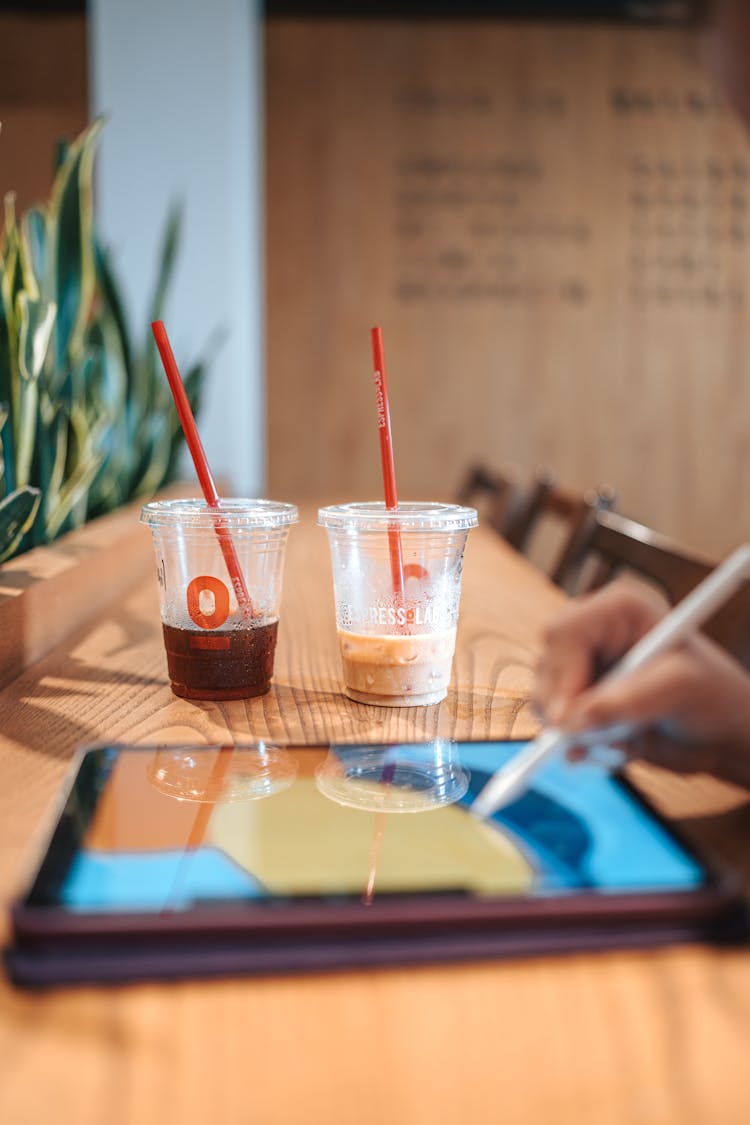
397, 585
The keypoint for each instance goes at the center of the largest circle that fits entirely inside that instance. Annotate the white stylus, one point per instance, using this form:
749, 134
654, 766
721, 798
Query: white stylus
687, 616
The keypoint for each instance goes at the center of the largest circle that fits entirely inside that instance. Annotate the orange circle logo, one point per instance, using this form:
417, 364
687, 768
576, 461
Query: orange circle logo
207, 584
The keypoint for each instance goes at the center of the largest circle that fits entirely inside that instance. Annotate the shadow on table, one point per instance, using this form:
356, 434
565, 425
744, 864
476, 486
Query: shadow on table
319, 715
13, 580
28, 719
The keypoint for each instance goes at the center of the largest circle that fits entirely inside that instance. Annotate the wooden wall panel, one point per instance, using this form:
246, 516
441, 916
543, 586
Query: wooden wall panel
43, 96
552, 225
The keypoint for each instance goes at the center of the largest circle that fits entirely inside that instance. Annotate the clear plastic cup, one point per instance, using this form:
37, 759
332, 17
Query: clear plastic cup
397, 633
216, 650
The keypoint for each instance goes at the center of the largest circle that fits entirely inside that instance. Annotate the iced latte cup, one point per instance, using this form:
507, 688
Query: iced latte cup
397, 585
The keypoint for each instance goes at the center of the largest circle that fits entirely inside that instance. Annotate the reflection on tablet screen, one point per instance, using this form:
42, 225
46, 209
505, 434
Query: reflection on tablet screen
155, 830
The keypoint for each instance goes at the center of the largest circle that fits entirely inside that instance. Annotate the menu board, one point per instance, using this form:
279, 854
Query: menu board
551, 224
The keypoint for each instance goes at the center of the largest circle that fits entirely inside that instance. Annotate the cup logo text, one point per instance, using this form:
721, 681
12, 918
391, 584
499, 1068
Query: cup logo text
412, 615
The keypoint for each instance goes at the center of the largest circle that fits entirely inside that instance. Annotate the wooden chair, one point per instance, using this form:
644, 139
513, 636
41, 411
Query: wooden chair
613, 543
546, 498
495, 494
522, 514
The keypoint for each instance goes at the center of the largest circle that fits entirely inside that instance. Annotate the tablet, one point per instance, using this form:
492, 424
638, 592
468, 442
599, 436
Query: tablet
205, 860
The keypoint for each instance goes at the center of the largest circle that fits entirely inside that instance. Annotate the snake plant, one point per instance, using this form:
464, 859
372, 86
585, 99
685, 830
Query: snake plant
86, 420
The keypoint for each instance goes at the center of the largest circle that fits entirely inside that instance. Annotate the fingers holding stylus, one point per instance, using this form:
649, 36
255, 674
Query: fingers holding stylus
688, 708
673, 692
590, 635
617, 668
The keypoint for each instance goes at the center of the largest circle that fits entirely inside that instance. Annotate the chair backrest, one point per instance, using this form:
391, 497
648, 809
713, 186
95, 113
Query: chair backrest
614, 543
547, 498
495, 494
618, 543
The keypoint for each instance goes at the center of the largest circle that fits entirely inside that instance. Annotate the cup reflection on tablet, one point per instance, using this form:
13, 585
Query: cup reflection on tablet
221, 774
402, 778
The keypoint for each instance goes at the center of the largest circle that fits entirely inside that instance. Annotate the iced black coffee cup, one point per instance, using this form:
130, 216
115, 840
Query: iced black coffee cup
219, 646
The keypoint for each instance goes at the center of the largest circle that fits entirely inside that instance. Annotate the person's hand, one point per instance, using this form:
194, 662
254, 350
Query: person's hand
689, 708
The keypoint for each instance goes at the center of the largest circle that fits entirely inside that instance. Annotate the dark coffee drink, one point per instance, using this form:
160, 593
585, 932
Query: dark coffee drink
221, 664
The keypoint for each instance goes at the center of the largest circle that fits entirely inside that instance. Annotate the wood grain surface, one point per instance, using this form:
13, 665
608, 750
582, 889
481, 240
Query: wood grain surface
615, 1039
551, 225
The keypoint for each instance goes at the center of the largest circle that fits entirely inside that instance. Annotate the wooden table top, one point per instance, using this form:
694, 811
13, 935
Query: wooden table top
660, 1036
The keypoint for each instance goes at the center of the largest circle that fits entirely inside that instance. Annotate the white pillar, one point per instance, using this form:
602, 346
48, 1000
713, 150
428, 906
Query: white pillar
180, 81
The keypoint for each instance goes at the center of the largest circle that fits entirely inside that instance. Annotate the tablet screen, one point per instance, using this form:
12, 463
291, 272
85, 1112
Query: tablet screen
183, 828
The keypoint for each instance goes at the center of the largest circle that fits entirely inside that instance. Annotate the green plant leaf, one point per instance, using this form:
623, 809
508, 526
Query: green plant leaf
6, 379
70, 236
21, 277
9, 223
4, 415
153, 467
85, 466
36, 318
84, 416
167, 259
34, 235
111, 383
11, 284
52, 445
71, 494
109, 386
17, 514
62, 148
28, 400
112, 303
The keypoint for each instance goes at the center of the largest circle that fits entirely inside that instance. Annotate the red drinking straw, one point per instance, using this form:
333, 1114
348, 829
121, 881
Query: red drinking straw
378, 832
397, 564
386, 456
198, 453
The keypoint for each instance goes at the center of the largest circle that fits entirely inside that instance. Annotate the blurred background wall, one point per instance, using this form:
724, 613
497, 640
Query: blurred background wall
549, 218
180, 83
550, 221
43, 94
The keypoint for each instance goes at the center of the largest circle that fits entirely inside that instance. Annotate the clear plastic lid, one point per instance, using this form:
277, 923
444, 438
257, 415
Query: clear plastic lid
261, 514
421, 516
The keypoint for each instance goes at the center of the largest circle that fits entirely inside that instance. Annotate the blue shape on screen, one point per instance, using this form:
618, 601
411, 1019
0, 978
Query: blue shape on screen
111, 881
580, 828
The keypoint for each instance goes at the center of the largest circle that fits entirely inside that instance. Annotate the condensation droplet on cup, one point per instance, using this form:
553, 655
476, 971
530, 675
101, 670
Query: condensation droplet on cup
369, 679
